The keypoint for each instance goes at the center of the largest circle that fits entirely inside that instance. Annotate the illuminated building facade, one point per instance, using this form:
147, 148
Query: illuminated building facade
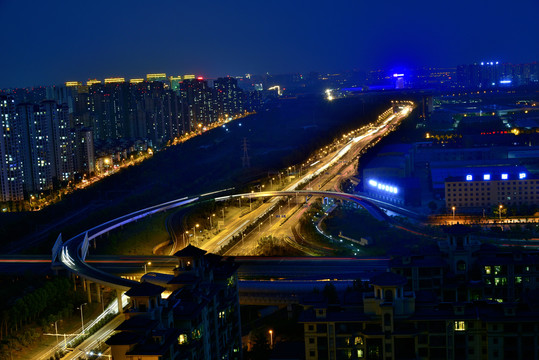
488, 74
175, 82
157, 77
197, 103
228, 97
388, 176
10, 152
491, 189
46, 144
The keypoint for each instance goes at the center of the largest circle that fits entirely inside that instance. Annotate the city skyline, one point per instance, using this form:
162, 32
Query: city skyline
51, 45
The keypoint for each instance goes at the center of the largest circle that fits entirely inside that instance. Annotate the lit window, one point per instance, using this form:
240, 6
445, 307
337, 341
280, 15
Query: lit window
487, 270
182, 339
460, 326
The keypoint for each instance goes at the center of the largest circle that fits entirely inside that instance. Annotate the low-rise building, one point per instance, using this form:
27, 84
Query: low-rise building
491, 189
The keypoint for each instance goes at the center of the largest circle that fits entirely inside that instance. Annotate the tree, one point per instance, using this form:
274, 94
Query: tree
261, 347
330, 293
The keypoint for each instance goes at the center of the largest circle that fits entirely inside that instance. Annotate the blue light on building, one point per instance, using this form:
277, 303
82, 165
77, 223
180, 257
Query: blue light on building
385, 187
469, 177
505, 176
486, 177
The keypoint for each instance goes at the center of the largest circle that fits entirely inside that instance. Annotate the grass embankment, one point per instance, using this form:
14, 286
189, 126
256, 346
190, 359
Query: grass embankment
138, 238
358, 223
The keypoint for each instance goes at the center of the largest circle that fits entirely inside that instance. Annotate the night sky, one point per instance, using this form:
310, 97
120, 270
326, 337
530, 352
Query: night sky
49, 42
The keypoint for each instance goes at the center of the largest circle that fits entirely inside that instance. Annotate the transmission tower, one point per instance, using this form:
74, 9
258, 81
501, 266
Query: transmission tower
245, 158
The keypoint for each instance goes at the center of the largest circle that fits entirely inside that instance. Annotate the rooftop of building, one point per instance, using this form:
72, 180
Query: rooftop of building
137, 323
124, 338
145, 289
190, 251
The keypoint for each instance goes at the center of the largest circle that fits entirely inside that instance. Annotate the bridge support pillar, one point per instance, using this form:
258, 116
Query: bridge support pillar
120, 306
74, 278
84, 284
89, 291
98, 288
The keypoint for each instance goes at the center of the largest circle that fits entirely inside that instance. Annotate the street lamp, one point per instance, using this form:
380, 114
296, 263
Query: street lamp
271, 338
500, 211
223, 210
82, 317
148, 263
194, 232
453, 208
211, 223
56, 330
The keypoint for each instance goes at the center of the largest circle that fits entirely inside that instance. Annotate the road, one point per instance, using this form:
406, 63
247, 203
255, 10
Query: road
324, 171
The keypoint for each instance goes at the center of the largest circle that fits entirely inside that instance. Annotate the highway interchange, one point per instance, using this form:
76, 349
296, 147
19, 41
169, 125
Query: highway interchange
319, 178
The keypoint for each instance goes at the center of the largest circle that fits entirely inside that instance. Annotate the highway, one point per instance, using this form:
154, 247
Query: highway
325, 171
72, 253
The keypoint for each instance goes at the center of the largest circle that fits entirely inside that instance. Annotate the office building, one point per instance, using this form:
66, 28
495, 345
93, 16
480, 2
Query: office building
491, 189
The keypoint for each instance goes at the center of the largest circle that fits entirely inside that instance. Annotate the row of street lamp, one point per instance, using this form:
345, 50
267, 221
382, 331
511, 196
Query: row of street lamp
500, 207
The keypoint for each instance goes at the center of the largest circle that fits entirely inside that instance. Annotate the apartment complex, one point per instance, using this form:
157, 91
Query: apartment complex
193, 314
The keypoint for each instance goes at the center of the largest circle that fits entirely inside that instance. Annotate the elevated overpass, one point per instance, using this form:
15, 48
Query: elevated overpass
71, 254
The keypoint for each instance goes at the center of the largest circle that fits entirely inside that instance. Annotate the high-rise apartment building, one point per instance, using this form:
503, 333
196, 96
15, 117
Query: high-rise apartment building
46, 145
10, 154
197, 103
83, 150
228, 97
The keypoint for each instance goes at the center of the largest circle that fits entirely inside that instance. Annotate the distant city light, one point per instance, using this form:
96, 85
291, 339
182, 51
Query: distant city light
505, 81
469, 177
200, 78
522, 175
482, 63
505, 176
486, 176
398, 75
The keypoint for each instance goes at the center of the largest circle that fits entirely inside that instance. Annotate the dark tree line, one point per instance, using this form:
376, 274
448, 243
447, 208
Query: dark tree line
40, 304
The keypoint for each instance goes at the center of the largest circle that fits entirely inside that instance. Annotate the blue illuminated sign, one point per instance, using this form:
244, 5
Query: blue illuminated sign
486, 176
469, 177
505, 176
384, 187
522, 175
